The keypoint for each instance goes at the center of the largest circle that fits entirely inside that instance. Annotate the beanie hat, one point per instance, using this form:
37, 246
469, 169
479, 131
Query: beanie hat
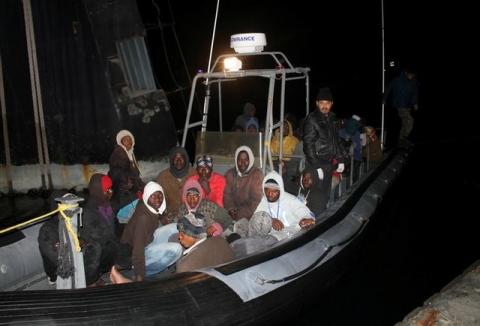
205, 160
260, 224
106, 183
324, 94
198, 231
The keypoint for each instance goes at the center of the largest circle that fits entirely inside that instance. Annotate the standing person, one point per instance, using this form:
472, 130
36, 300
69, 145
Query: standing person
173, 179
123, 169
321, 142
403, 91
151, 251
243, 190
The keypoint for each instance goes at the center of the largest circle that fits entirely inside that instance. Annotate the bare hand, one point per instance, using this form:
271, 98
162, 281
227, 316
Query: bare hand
277, 224
205, 185
210, 230
306, 222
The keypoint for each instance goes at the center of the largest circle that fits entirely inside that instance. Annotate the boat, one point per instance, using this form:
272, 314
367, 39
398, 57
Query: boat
262, 288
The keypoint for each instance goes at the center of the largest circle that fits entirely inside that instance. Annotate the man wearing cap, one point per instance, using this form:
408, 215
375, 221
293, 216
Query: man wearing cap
213, 184
243, 189
200, 251
321, 142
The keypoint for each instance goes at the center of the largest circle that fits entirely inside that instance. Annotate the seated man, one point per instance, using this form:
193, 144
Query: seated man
213, 184
173, 179
289, 214
201, 251
194, 201
151, 251
310, 192
243, 189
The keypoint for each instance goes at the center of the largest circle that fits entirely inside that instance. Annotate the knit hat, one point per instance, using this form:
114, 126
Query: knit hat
106, 183
205, 160
185, 225
218, 229
260, 224
324, 94
252, 122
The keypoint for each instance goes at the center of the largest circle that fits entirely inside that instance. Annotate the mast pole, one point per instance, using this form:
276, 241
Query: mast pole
207, 97
382, 135
6, 141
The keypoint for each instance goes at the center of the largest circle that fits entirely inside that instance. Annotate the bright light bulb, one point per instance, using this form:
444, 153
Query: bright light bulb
232, 64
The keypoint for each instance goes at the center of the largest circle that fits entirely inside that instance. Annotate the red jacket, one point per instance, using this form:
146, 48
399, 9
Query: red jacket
217, 184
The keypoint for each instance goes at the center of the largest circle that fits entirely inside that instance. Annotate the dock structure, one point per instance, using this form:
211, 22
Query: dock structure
458, 303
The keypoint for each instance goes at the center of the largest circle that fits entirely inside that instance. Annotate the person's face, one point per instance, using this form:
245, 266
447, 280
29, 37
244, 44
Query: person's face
324, 106
108, 194
156, 199
271, 194
204, 172
178, 161
243, 161
252, 129
410, 75
307, 180
192, 200
127, 142
185, 240
252, 112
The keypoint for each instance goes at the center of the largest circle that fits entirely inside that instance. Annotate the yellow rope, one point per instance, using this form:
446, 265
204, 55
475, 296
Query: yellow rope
60, 209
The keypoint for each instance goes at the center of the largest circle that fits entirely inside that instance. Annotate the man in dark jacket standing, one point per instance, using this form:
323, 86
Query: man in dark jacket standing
321, 143
403, 92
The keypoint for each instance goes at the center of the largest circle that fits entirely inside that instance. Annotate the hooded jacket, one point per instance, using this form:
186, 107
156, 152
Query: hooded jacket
312, 197
288, 209
123, 166
140, 228
173, 180
211, 211
243, 191
289, 142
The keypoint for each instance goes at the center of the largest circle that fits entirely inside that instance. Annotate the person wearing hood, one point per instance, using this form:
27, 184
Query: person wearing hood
100, 245
248, 112
151, 251
123, 169
289, 141
173, 179
195, 202
243, 189
288, 213
309, 192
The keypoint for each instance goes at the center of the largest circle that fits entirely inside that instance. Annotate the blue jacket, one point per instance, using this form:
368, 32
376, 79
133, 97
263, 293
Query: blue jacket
403, 92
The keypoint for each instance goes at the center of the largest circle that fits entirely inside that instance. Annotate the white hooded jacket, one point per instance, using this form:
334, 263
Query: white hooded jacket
288, 209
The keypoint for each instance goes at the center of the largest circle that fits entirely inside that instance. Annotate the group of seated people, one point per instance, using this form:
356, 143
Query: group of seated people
184, 220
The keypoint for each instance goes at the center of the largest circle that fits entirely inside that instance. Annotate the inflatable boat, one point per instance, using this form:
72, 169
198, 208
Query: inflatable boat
265, 287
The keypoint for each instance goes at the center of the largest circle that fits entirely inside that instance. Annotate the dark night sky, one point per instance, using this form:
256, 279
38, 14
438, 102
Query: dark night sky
341, 42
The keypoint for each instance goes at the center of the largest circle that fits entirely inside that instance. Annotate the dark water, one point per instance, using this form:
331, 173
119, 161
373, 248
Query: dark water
423, 236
